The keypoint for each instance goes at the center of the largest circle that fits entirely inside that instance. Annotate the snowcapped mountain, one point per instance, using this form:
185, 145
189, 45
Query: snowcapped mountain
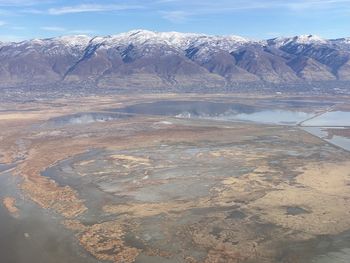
298, 40
142, 58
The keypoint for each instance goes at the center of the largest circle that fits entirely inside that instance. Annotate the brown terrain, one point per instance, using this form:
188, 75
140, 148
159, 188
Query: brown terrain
338, 132
10, 205
177, 190
138, 59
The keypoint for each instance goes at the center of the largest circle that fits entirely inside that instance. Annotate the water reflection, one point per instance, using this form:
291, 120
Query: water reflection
283, 117
219, 111
326, 135
333, 118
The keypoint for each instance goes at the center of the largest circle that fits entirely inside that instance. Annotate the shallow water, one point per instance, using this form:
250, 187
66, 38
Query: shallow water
321, 132
155, 230
295, 210
85, 118
323, 249
35, 236
5, 167
283, 117
193, 108
340, 256
98, 184
329, 119
219, 111
98, 189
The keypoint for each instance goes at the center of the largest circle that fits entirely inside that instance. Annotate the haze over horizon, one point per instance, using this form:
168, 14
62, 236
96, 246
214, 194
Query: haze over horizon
256, 19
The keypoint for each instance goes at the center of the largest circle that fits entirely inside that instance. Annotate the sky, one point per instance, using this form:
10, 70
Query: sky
254, 19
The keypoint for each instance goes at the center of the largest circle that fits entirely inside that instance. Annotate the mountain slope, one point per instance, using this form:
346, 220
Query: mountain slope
143, 58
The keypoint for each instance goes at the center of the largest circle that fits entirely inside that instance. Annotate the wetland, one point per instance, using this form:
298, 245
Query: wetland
173, 178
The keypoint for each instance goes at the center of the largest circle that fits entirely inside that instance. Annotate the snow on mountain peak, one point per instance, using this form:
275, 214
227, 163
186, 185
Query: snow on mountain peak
175, 40
309, 39
345, 40
302, 39
74, 40
151, 37
200, 44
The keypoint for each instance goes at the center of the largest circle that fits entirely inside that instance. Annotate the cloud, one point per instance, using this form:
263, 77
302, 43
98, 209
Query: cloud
192, 13
176, 16
176, 11
2, 23
209, 6
190, 9
32, 11
67, 31
22, 2
186, 9
85, 8
81, 32
53, 28
318, 4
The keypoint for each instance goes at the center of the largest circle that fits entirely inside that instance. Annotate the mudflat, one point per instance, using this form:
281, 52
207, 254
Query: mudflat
174, 178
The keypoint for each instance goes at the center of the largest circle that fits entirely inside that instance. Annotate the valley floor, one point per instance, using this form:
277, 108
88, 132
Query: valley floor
118, 181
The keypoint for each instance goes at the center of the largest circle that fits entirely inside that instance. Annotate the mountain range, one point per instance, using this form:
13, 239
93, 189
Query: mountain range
142, 58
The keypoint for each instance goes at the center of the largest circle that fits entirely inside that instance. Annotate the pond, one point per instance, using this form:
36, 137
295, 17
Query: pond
330, 119
219, 111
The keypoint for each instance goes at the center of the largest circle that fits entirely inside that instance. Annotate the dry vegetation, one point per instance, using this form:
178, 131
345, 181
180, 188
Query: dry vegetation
263, 192
10, 205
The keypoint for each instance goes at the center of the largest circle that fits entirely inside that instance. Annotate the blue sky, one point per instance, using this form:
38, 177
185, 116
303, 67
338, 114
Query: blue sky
257, 19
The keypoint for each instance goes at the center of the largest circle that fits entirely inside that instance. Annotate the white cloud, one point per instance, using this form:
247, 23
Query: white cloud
22, 2
84, 8
317, 4
32, 11
218, 6
67, 31
176, 16
186, 9
53, 28
176, 11
81, 32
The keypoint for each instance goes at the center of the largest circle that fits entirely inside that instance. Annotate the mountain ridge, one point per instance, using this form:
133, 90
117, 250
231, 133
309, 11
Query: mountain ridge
165, 59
